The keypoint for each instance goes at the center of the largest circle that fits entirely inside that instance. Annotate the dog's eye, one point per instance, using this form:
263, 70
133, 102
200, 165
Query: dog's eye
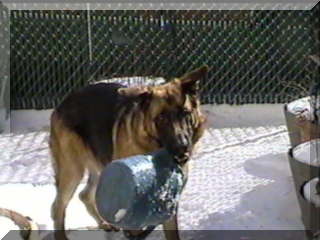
161, 117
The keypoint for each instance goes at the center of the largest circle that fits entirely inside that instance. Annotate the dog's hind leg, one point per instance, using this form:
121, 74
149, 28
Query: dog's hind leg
87, 196
68, 182
68, 175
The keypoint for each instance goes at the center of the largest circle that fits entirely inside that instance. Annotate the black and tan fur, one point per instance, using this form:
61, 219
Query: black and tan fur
103, 122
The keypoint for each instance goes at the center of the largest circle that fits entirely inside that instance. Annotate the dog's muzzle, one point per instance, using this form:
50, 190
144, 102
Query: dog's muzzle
182, 159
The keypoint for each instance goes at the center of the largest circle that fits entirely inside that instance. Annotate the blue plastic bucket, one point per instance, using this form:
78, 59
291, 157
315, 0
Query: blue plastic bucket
140, 191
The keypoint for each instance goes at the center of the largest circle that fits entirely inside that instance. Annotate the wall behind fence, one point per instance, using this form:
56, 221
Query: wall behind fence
255, 56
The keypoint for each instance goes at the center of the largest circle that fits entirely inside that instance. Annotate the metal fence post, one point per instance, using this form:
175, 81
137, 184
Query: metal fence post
4, 69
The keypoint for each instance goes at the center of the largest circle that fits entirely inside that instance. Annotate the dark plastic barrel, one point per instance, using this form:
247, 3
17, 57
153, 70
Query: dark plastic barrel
302, 173
140, 191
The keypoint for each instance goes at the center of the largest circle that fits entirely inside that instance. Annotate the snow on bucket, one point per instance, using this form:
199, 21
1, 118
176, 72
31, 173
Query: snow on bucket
299, 105
301, 116
307, 105
140, 191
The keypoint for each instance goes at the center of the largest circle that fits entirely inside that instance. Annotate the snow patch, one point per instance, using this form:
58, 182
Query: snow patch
120, 215
135, 81
308, 152
239, 179
6, 225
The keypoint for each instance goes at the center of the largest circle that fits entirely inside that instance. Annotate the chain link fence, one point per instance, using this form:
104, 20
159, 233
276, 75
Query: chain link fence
255, 56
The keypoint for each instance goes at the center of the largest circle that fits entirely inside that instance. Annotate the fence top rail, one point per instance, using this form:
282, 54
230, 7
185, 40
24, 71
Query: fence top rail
189, 17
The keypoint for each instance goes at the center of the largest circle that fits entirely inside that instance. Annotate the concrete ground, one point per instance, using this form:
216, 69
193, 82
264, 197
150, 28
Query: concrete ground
239, 180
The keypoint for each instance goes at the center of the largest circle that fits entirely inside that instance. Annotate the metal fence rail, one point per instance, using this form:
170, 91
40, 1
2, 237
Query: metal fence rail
255, 56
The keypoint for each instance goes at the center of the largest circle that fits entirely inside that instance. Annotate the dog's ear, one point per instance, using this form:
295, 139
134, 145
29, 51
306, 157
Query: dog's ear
142, 93
190, 81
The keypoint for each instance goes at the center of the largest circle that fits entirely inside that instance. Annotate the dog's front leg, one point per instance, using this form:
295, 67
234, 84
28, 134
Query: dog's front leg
170, 228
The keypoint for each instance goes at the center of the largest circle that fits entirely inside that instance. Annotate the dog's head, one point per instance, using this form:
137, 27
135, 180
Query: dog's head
172, 112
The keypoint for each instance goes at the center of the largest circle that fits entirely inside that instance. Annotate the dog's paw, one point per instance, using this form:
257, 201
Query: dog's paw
138, 234
108, 227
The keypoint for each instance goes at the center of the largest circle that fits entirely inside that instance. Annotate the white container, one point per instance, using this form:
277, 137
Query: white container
308, 153
310, 192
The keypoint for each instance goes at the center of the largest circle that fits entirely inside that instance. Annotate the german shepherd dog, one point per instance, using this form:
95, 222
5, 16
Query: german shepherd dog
107, 121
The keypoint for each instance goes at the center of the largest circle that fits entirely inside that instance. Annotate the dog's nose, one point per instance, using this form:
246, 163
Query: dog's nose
183, 158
